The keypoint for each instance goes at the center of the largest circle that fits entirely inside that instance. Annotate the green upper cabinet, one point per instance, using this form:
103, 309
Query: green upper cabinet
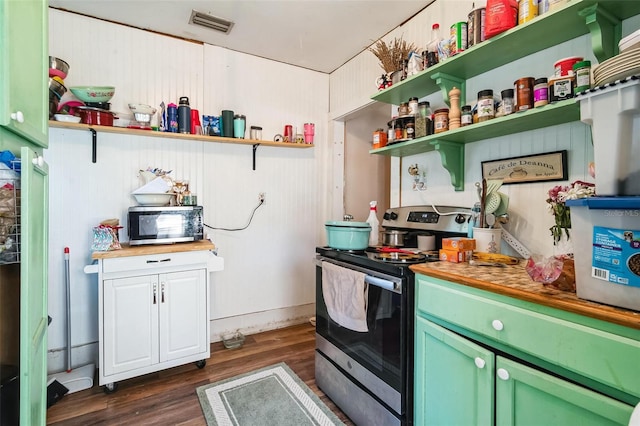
24, 65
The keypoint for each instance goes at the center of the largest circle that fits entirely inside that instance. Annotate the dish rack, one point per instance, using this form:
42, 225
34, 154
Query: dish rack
10, 214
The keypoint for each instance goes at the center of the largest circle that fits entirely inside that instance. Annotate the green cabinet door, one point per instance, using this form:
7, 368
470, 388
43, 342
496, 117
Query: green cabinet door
454, 378
525, 396
24, 69
33, 288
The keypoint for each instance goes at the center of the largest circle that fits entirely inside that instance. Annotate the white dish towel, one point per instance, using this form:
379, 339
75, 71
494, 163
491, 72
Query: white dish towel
345, 294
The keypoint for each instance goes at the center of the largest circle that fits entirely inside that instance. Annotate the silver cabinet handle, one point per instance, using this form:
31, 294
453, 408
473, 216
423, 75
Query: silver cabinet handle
155, 291
168, 259
162, 290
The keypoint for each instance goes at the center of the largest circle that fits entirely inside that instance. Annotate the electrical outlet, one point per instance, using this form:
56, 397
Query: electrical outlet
262, 197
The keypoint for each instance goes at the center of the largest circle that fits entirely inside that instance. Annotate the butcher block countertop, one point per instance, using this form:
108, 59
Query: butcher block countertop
514, 281
144, 250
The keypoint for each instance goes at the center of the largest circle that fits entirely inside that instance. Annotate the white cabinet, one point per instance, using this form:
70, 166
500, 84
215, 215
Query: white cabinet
153, 312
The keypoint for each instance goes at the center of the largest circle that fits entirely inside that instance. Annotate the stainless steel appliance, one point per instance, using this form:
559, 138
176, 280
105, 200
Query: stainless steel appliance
163, 225
369, 375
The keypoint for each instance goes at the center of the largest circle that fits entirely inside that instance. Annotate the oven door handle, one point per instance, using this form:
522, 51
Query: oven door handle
379, 282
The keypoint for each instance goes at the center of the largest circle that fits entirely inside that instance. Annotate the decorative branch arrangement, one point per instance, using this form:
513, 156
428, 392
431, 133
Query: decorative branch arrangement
392, 55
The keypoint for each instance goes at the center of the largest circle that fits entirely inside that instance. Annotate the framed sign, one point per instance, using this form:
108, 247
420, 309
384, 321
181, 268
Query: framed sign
528, 168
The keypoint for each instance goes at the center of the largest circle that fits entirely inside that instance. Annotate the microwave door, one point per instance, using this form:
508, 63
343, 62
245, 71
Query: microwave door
161, 226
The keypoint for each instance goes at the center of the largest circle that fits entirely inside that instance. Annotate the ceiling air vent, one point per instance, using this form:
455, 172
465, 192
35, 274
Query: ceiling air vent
211, 22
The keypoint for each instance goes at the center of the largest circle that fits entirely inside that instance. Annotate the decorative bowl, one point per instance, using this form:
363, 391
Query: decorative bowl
157, 199
93, 93
67, 118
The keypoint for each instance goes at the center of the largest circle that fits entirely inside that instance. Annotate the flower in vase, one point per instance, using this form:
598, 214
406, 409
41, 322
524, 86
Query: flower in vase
558, 195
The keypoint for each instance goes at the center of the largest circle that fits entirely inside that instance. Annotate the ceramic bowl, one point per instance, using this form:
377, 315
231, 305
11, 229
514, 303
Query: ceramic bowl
157, 199
93, 93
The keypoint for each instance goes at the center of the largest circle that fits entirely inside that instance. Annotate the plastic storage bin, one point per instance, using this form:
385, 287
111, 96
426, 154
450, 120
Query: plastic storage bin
614, 115
606, 241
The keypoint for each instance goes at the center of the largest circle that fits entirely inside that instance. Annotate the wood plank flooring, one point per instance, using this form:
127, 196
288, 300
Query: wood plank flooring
168, 397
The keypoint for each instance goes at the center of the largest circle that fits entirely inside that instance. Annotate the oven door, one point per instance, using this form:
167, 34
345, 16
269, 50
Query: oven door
381, 350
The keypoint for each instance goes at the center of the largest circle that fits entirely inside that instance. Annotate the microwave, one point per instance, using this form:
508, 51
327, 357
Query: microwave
163, 225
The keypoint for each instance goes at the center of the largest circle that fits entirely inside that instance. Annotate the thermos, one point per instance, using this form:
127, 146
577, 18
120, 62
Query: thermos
184, 115
239, 126
227, 123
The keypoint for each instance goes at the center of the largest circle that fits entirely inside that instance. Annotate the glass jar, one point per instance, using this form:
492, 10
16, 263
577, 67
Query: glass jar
441, 120
413, 106
540, 92
486, 110
410, 128
390, 132
255, 133
398, 131
467, 117
582, 71
403, 109
507, 101
424, 110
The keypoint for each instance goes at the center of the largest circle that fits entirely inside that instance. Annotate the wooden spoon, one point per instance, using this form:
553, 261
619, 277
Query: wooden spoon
483, 199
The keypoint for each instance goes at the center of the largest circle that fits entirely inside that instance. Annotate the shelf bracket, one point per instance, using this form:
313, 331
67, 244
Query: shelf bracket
255, 148
452, 156
605, 29
94, 144
448, 82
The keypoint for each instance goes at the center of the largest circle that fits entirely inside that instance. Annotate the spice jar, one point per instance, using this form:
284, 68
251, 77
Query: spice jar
390, 131
486, 109
582, 72
507, 101
441, 120
403, 109
413, 106
540, 92
560, 88
255, 132
410, 128
467, 117
424, 110
398, 131
379, 138
523, 89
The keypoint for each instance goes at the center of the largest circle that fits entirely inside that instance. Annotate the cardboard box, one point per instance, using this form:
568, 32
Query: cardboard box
456, 256
459, 243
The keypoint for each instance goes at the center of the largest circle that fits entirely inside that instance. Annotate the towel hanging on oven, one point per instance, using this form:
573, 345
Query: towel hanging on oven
345, 294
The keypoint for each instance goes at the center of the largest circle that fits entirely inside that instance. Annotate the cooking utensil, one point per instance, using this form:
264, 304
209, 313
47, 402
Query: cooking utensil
394, 238
57, 88
394, 250
347, 235
490, 220
99, 117
504, 204
58, 67
483, 197
492, 202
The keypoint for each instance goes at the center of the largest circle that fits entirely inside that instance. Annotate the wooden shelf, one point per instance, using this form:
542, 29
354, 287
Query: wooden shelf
602, 19
450, 144
181, 136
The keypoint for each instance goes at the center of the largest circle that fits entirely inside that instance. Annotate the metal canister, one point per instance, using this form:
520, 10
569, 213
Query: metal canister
458, 37
475, 26
527, 10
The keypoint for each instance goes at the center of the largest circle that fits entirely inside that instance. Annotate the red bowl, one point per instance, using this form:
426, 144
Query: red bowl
99, 117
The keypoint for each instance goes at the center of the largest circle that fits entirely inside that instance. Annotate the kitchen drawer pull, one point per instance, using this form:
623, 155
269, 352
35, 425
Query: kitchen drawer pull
162, 289
479, 362
497, 325
155, 291
168, 259
503, 374
18, 116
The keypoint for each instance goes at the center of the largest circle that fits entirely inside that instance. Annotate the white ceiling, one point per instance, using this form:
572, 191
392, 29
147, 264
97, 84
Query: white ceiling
316, 34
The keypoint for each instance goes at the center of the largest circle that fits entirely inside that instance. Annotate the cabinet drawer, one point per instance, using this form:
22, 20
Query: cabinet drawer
593, 353
154, 261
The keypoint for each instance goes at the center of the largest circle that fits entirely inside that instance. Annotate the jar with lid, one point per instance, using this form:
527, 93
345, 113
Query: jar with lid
486, 110
398, 131
390, 131
410, 127
403, 109
424, 110
441, 120
523, 90
413, 106
255, 132
540, 92
507, 101
467, 117
379, 138
582, 71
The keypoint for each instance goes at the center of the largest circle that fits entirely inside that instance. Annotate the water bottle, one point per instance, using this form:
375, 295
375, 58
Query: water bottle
172, 118
184, 115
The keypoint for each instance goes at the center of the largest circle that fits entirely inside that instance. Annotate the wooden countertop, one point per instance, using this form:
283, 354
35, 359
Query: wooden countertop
143, 250
514, 281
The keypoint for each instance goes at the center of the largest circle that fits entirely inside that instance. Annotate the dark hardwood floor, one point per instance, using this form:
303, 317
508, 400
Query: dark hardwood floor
168, 397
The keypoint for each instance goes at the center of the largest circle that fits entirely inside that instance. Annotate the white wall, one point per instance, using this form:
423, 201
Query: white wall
269, 278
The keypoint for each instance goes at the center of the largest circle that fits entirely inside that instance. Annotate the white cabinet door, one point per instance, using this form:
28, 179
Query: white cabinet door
183, 314
130, 323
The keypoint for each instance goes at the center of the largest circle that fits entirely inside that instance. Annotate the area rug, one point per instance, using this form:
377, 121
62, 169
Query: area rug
273, 395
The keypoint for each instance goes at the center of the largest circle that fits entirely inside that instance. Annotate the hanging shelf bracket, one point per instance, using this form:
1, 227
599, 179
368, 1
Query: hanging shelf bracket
94, 144
448, 82
255, 148
452, 157
605, 29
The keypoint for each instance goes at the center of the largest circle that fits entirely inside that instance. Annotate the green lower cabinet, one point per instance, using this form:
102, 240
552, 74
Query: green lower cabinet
525, 396
454, 378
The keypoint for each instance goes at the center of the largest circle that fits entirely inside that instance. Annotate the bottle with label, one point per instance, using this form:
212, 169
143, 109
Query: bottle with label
374, 222
432, 47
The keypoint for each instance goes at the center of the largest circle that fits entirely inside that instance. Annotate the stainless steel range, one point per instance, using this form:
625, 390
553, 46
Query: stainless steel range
367, 368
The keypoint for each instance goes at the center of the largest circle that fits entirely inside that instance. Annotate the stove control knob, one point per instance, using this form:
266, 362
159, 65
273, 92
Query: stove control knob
460, 219
393, 216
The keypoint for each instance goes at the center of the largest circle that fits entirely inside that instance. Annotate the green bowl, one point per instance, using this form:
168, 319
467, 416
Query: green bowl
93, 93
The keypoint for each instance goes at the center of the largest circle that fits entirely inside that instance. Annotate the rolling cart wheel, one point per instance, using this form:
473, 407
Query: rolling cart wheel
200, 364
110, 388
